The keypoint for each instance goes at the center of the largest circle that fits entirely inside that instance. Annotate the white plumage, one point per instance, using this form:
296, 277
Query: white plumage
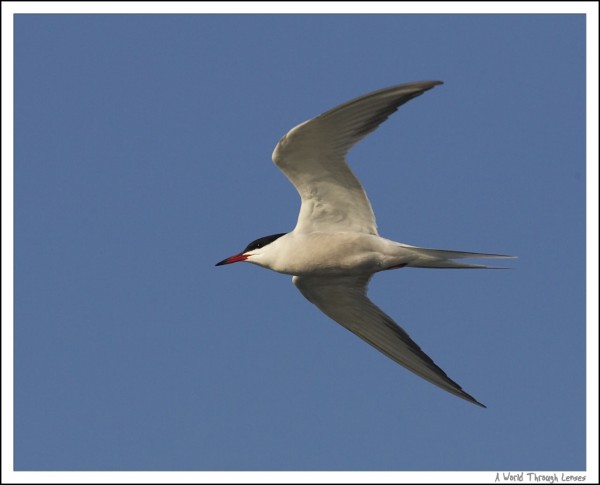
335, 249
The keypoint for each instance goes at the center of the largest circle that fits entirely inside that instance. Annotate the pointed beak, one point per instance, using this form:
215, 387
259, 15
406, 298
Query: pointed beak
233, 259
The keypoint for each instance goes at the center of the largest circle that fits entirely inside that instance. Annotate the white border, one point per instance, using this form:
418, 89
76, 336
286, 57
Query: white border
300, 7
592, 242
9, 9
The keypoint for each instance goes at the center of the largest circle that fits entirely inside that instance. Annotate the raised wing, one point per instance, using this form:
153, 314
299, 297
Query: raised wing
311, 156
344, 299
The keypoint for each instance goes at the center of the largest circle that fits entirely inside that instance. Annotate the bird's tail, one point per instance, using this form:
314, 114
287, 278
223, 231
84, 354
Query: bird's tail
441, 258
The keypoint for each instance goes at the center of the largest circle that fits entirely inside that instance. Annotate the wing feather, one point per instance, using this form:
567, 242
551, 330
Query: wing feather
312, 156
344, 300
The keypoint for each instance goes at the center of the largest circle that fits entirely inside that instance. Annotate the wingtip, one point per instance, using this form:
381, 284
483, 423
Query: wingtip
422, 86
431, 84
467, 397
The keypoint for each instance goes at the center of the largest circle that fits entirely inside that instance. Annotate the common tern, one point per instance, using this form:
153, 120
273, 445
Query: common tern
335, 248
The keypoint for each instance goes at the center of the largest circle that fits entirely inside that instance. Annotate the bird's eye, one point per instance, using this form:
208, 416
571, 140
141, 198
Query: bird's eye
262, 242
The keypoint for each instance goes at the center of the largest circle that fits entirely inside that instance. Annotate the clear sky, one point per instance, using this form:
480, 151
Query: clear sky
143, 156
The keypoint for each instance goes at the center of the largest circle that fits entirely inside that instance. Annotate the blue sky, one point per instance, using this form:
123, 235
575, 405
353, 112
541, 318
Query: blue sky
142, 157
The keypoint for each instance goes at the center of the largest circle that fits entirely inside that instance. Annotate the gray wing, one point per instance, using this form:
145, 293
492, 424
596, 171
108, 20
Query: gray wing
344, 299
312, 156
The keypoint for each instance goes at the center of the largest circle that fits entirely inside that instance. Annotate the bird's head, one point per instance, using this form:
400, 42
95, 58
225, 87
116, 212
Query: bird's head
253, 252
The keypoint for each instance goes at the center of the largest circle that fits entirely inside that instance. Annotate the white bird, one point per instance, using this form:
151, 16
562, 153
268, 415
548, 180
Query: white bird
335, 248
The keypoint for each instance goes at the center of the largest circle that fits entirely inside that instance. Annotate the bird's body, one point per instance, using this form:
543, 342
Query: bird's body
330, 254
335, 248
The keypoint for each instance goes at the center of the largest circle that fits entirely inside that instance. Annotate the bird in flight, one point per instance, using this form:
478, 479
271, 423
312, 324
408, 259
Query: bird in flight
335, 248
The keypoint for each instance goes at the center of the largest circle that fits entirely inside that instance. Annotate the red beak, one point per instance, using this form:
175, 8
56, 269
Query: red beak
233, 259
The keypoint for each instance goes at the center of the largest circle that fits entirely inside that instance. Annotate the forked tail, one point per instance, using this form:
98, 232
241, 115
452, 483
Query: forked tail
441, 258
